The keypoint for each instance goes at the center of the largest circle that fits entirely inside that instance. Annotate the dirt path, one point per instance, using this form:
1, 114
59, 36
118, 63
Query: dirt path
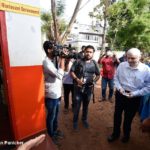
101, 123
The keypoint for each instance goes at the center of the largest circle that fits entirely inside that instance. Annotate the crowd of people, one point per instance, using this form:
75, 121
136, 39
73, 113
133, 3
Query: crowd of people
127, 76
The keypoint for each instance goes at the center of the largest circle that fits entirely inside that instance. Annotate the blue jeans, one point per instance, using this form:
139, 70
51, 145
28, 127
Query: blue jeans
52, 106
81, 97
110, 83
145, 107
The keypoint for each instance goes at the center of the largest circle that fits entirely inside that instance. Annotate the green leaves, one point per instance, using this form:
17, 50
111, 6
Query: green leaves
129, 24
60, 7
48, 24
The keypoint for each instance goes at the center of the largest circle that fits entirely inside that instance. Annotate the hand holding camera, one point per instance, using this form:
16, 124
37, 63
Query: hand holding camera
64, 52
80, 83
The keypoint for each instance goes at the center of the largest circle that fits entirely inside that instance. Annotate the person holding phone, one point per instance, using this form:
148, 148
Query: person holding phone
132, 80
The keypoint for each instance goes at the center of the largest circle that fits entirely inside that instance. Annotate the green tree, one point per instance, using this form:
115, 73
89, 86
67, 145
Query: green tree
129, 24
48, 22
72, 20
54, 26
47, 27
100, 12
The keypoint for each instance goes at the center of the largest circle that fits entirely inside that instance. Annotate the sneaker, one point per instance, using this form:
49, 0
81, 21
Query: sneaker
59, 134
112, 138
85, 124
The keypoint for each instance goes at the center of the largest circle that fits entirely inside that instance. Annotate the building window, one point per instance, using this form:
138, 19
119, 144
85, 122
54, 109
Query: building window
87, 37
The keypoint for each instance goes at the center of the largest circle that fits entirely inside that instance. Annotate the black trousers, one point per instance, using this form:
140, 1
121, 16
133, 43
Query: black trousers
130, 107
67, 89
84, 98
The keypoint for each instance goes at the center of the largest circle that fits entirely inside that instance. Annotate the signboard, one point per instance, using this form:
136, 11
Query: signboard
19, 8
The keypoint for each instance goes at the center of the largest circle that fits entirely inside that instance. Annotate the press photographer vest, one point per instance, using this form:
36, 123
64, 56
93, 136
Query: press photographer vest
85, 71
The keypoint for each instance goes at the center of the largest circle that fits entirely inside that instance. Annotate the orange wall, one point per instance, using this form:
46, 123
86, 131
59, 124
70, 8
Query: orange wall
27, 103
24, 91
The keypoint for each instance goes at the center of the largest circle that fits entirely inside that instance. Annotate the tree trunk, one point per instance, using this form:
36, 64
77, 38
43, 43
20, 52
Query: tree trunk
104, 34
68, 30
56, 27
107, 3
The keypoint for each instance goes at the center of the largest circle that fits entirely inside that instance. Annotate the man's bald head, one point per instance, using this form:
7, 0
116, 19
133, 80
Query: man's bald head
134, 51
133, 57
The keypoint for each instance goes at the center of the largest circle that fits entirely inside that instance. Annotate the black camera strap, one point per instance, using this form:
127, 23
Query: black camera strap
56, 62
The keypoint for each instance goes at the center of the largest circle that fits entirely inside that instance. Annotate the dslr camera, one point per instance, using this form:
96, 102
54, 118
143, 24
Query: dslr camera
58, 51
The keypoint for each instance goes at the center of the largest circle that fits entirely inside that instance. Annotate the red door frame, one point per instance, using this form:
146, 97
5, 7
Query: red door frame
6, 66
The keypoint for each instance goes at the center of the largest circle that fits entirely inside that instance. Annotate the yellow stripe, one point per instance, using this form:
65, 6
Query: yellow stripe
19, 8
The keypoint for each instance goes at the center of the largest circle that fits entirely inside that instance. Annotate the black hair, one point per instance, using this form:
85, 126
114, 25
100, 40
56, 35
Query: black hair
91, 47
83, 47
107, 49
125, 50
69, 46
47, 45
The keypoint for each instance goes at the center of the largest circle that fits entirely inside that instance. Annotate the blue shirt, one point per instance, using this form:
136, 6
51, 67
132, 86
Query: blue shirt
136, 80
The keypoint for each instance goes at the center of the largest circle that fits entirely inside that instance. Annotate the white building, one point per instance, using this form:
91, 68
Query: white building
83, 34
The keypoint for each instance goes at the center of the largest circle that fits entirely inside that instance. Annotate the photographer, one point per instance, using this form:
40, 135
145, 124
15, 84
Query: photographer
68, 85
81, 53
53, 82
108, 61
85, 72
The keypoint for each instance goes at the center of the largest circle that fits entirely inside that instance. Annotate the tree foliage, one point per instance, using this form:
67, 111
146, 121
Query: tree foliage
129, 24
54, 25
48, 23
71, 22
100, 12
60, 7
48, 26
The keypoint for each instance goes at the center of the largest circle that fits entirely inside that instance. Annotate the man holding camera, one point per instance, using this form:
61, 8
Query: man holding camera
85, 73
53, 82
108, 62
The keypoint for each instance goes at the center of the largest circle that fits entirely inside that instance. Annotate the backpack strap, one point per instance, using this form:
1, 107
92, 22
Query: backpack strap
93, 84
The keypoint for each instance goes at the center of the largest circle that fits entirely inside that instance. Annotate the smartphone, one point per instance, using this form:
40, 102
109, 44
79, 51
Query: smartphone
125, 94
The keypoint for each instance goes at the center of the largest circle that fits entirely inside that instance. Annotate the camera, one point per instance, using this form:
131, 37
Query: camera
85, 86
58, 51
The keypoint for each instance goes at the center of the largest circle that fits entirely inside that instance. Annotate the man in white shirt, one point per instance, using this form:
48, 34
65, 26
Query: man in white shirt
132, 80
53, 83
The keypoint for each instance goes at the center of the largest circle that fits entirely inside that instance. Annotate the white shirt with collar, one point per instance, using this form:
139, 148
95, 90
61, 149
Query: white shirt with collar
136, 80
53, 79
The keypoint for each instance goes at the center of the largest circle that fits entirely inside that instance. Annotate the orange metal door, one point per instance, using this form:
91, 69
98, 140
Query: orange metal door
25, 92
